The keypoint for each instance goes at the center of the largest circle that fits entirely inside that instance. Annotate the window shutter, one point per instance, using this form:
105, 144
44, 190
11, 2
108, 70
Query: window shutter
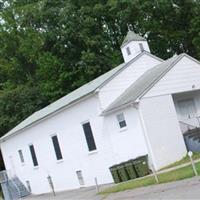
89, 136
57, 147
34, 158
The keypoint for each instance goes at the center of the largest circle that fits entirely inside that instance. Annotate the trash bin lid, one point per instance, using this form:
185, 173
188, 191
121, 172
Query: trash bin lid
142, 157
136, 161
114, 166
128, 163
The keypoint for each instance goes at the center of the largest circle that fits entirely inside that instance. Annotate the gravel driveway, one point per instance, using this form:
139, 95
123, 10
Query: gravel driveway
186, 189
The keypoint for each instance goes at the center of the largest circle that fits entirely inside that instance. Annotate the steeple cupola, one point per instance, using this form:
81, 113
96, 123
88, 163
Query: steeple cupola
133, 45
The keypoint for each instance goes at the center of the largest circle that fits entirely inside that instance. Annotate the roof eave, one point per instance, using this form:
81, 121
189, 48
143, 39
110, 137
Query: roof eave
5, 137
127, 64
115, 109
79, 99
125, 43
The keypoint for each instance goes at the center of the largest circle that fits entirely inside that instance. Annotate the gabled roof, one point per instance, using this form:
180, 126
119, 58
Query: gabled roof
73, 97
132, 36
66, 100
144, 83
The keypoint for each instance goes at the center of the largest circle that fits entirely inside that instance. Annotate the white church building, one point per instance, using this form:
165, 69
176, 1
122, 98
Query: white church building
143, 106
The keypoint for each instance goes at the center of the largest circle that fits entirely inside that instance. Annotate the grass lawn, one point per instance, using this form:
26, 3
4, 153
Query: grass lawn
184, 160
179, 174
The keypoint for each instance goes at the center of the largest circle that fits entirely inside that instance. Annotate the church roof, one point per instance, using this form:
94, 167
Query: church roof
132, 36
73, 97
144, 83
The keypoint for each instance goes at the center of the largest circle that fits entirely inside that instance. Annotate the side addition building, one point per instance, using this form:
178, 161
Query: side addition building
146, 105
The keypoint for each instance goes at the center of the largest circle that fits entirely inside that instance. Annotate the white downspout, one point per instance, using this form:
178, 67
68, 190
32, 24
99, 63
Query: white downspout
144, 130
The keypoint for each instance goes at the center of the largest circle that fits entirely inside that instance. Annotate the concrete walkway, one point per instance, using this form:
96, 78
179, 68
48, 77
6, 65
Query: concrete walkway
177, 167
79, 194
185, 189
169, 169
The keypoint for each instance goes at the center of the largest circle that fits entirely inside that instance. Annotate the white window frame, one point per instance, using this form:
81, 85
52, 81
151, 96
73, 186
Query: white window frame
95, 150
79, 174
51, 136
21, 156
119, 121
128, 51
34, 167
141, 46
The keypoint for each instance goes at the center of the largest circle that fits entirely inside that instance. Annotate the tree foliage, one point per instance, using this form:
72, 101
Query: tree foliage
49, 48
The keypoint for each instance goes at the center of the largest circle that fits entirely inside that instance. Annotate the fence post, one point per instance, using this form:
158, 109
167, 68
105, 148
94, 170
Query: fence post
155, 174
51, 184
96, 184
190, 154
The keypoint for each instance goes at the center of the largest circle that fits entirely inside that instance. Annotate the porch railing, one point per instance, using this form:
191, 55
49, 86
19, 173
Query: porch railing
198, 119
186, 126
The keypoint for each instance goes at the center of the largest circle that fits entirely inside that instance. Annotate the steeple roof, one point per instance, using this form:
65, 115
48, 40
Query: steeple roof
132, 36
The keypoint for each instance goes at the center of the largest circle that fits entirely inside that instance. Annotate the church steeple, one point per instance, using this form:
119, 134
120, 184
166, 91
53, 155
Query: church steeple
132, 45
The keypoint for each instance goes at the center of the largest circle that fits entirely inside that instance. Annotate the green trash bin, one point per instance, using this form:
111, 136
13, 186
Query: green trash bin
129, 166
122, 172
115, 174
141, 166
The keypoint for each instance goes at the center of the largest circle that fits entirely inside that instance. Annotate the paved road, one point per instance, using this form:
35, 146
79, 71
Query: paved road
81, 194
186, 189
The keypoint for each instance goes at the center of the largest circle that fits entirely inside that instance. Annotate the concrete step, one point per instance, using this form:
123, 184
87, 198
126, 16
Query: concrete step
13, 190
18, 186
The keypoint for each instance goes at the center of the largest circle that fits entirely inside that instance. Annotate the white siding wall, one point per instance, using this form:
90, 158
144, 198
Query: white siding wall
129, 142
113, 147
184, 76
163, 130
67, 125
122, 81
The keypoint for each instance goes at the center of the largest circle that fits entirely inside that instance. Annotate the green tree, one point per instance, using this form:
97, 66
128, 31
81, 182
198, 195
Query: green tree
49, 48
17, 104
